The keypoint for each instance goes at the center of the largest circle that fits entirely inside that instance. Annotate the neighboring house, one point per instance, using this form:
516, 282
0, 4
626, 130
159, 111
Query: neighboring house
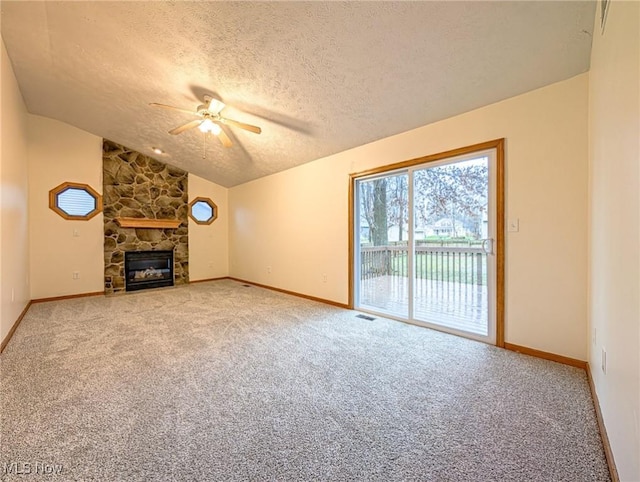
447, 227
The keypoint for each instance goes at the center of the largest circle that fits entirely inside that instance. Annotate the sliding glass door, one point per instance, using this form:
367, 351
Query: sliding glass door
425, 244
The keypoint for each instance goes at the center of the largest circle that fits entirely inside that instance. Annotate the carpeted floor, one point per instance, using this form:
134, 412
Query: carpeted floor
221, 382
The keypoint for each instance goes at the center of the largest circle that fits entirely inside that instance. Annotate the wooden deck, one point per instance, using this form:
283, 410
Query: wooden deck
460, 306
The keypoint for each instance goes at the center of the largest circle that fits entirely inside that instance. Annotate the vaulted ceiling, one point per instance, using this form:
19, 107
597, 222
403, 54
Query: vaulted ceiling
317, 77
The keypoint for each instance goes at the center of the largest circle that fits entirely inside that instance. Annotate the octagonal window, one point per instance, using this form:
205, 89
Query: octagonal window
203, 210
75, 201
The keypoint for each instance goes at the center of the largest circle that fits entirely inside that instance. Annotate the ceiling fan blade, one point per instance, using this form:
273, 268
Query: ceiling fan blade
224, 138
187, 126
241, 125
153, 104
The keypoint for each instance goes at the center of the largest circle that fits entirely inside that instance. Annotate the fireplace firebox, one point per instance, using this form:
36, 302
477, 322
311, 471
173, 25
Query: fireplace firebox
148, 269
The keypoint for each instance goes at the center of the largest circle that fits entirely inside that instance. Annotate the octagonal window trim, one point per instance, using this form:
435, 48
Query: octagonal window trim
197, 216
56, 192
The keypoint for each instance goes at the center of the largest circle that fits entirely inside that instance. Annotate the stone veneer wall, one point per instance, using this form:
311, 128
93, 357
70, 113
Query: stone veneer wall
138, 186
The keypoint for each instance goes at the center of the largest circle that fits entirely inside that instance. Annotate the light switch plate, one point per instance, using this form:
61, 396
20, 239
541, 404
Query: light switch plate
513, 225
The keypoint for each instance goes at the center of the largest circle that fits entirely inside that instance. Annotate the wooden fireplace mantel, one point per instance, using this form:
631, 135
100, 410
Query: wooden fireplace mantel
148, 223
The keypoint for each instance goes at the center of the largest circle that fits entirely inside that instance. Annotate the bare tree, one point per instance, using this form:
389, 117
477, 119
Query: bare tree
373, 208
379, 230
457, 192
453, 192
398, 198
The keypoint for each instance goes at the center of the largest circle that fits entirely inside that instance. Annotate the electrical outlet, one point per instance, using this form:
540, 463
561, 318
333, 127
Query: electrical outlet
513, 225
324, 277
268, 269
75, 275
604, 361
76, 232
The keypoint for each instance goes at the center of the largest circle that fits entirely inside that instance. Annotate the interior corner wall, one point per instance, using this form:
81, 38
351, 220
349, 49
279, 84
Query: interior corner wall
209, 243
614, 260
59, 247
14, 228
289, 229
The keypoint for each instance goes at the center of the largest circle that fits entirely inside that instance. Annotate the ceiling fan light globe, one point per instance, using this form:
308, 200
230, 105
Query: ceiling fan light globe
207, 125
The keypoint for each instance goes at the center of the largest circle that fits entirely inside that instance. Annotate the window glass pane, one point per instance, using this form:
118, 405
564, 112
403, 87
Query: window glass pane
76, 202
384, 228
202, 211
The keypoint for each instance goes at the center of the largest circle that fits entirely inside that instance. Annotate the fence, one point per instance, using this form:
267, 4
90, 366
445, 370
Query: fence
456, 264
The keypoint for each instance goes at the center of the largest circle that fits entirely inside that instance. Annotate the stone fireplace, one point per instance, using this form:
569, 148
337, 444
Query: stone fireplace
138, 187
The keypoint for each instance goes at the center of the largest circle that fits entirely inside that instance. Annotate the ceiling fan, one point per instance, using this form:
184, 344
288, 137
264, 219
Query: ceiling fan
210, 120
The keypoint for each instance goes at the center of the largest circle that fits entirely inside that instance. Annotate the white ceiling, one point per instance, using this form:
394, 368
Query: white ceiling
318, 77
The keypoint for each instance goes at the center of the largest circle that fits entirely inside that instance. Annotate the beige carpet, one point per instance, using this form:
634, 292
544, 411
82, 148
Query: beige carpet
217, 381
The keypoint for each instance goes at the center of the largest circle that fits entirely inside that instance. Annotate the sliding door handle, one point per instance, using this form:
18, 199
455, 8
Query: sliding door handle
487, 245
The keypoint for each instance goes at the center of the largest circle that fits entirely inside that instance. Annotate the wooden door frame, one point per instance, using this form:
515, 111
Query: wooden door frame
498, 145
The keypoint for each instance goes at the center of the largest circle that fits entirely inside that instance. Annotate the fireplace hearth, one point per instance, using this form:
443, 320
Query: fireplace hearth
148, 269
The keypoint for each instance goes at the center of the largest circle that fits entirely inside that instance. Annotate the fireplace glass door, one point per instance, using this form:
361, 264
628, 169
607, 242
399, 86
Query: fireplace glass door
148, 269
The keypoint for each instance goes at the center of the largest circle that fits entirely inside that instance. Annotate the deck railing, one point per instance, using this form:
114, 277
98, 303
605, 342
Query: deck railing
454, 264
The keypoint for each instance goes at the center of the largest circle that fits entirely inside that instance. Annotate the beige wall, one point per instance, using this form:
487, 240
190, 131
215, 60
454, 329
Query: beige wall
14, 229
614, 140
59, 152
295, 222
209, 244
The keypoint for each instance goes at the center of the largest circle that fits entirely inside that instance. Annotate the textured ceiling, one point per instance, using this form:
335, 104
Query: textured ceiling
318, 77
